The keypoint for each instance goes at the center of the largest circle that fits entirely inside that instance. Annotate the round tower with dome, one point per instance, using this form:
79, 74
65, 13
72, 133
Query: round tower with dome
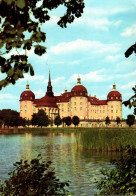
114, 104
27, 98
79, 100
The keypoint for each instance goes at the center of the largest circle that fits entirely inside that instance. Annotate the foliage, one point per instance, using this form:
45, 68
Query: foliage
118, 120
35, 178
75, 120
130, 120
20, 30
11, 118
40, 119
68, 120
63, 120
107, 120
121, 180
132, 101
107, 139
57, 121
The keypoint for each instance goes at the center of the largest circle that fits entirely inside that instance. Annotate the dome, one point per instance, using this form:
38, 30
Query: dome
114, 95
27, 95
79, 90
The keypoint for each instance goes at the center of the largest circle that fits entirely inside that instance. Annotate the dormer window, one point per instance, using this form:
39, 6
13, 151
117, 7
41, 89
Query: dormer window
116, 97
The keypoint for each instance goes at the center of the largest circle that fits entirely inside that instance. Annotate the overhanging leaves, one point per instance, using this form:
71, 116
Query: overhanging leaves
21, 18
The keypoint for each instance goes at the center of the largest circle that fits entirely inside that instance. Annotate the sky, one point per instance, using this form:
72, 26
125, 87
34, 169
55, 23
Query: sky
93, 46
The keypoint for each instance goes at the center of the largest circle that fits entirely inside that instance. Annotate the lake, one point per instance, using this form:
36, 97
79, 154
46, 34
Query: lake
77, 165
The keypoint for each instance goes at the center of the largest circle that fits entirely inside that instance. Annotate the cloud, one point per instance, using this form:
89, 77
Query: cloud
128, 85
6, 98
113, 58
131, 74
105, 11
95, 76
32, 78
58, 79
84, 46
39, 93
129, 31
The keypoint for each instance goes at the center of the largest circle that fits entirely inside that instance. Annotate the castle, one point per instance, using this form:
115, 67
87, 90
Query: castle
76, 102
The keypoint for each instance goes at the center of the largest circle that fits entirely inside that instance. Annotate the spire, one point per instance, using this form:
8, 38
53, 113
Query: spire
114, 87
49, 87
78, 79
49, 78
27, 85
65, 90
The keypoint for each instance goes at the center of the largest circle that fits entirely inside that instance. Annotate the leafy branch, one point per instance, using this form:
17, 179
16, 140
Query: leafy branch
20, 29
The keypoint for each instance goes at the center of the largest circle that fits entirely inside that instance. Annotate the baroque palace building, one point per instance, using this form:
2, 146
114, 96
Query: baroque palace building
76, 102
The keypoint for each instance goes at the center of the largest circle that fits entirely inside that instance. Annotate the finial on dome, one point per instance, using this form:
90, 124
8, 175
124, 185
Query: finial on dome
114, 87
27, 85
65, 89
78, 79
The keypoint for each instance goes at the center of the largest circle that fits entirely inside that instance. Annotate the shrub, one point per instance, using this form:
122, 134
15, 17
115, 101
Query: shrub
120, 180
36, 178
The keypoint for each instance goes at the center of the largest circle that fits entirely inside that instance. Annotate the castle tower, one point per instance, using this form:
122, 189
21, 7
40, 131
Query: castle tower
114, 101
49, 87
27, 98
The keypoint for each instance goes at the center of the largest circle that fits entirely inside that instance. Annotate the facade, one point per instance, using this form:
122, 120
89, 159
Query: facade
76, 102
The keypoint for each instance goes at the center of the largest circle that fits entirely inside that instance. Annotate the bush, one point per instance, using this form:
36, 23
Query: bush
36, 178
121, 180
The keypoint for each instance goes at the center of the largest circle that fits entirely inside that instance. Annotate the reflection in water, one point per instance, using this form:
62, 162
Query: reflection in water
78, 166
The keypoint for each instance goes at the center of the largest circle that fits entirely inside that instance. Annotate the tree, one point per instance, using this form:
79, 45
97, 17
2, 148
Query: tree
11, 118
107, 120
121, 179
42, 119
131, 102
57, 121
33, 178
118, 120
20, 29
130, 120
34, 119
75, 120
63, 121
68, 121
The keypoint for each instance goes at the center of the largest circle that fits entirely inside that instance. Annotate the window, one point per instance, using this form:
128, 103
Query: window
62, 109
111, 111
75, 108
81, 93
80, 108
103, 111
62, 104
80, 103
116, 97
25, 111
74, 103
116, 111
111, 106
80, 97
111, 97
75, 98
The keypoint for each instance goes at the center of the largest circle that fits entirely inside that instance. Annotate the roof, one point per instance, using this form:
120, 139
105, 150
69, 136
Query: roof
27, 95
79, 90
114, 95
46, 101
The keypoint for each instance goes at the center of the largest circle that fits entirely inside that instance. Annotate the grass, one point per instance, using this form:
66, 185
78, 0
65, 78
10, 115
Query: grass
108, 139
98, 139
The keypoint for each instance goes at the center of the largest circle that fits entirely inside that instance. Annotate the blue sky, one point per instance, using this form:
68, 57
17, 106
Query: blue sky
93, 47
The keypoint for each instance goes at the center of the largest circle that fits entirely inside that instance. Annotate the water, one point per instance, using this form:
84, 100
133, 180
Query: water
73, 164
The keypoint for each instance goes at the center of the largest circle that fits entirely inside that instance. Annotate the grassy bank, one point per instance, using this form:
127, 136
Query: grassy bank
108, 139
